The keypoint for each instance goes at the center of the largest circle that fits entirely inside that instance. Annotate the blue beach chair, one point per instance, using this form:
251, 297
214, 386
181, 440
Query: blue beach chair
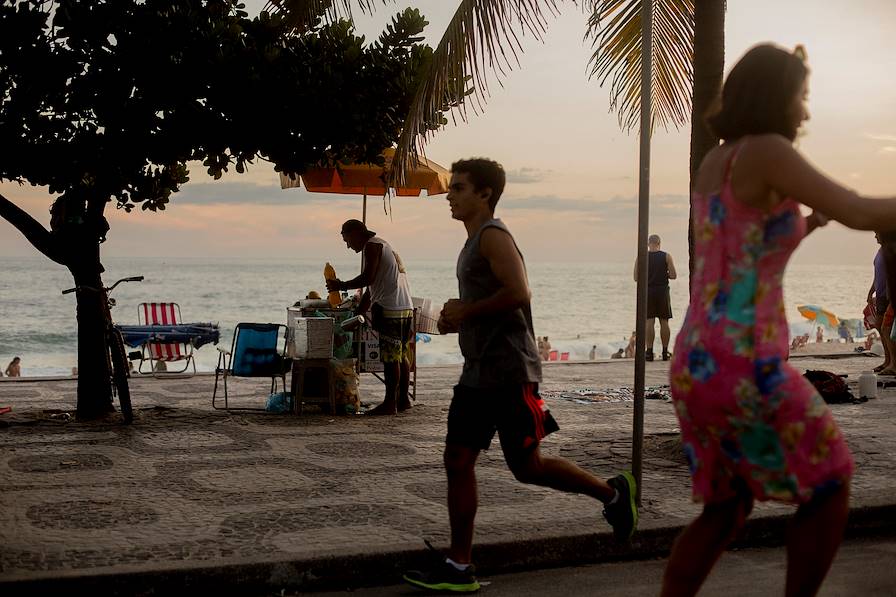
254, 353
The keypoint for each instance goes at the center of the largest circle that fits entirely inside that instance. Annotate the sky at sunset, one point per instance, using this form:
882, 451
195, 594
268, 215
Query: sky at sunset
572, 184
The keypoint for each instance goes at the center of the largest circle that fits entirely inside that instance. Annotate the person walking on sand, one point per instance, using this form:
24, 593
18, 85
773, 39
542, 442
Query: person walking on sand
660, 269
752, 426
498, 387
14, 369
880, 305
392, 312
888, 252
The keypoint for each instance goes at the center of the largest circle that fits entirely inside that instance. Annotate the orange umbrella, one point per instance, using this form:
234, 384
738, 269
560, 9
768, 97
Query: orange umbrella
365, 179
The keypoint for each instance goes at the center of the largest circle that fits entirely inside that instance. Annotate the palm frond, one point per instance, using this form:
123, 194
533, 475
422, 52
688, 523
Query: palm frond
483, 38
304, 14
615, 28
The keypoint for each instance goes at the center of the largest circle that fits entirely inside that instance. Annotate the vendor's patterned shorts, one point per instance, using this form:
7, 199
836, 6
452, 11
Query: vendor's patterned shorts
395, 329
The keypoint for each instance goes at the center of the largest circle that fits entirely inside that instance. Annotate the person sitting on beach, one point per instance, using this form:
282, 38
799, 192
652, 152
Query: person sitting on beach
870, 339
844, 332
616, 355
819, 335
14, 369
630, 349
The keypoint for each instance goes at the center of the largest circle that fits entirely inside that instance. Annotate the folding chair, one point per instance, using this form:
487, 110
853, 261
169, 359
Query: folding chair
253, 353
158, 352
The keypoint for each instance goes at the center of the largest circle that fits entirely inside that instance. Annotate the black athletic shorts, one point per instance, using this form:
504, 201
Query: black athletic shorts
516, 412
658, 302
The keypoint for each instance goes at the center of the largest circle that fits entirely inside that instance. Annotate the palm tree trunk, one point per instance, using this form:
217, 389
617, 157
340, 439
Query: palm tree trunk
709, 63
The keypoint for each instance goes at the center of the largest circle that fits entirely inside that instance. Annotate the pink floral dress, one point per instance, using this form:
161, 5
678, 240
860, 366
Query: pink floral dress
749, 421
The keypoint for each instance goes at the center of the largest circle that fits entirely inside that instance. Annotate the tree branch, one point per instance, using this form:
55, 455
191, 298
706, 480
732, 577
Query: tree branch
31, 229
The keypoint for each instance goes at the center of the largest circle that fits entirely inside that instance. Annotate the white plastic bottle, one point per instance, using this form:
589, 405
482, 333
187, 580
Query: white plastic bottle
868, 385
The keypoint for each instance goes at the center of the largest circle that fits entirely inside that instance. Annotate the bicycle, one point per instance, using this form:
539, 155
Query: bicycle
117, 360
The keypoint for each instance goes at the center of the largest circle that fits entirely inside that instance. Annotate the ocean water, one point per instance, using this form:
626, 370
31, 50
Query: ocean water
577, 305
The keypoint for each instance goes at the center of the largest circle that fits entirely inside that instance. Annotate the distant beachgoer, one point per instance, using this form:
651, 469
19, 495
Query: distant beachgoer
14, 369
660, 269
540, 345
75, 371
592, 354
630, 349
888, 251
880, 304
498, 387
547, 349
753, 428
842, 331
819, 335
617, 355
870, 339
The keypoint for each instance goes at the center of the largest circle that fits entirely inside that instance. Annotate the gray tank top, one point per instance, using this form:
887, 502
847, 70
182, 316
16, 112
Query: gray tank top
499, 349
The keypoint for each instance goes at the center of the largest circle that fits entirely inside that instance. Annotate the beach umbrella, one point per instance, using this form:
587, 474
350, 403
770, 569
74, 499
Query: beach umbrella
368, 179
819, 315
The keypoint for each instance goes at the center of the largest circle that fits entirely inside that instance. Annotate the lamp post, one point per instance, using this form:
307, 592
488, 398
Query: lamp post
643, 221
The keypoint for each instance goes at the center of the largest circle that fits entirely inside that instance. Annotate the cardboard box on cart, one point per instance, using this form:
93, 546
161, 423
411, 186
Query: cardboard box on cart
369, 352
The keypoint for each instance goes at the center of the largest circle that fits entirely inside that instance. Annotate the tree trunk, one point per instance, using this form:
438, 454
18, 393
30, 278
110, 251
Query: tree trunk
94, 391
77, 246
709, 63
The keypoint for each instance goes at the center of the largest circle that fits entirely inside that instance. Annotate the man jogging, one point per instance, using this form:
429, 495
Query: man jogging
498, 388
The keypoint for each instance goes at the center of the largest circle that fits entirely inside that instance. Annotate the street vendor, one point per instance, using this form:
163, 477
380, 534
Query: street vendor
389, 297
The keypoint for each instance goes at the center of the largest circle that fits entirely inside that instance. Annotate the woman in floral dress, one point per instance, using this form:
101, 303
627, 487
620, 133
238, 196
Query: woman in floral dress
752, 427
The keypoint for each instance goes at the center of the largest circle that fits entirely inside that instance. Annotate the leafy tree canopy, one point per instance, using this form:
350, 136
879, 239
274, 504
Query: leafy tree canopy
110, 99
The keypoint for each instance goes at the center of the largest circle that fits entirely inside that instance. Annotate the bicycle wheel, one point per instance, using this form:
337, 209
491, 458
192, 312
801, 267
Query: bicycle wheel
120, 371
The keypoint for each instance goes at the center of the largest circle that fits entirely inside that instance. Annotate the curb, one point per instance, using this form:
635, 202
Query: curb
363, 570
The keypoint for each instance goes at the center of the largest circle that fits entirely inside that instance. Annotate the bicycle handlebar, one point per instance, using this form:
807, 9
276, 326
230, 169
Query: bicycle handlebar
107, 289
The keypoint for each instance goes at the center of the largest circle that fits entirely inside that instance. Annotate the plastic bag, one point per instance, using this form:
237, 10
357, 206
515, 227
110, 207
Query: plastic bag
280, 402
346, 386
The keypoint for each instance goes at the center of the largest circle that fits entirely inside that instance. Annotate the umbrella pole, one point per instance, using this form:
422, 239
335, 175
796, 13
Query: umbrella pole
643, 220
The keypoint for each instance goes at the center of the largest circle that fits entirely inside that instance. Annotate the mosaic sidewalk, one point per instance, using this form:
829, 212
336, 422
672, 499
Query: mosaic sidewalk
187, 487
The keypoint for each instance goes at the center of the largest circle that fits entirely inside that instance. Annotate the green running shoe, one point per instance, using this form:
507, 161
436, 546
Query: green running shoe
443, 576
623, 515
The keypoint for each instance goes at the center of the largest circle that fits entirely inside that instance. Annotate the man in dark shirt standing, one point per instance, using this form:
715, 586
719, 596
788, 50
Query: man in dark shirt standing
498, 387
660, 269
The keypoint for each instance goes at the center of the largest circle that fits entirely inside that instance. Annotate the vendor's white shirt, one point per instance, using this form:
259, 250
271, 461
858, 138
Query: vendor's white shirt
390, 287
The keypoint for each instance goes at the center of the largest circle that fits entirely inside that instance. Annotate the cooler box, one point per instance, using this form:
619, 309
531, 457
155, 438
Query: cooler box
309, 337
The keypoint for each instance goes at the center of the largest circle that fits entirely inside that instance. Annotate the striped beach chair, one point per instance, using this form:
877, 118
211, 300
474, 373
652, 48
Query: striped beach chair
158, 352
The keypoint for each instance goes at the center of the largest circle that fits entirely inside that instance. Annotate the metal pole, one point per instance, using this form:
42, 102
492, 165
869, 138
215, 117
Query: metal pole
643, 219
364, 212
